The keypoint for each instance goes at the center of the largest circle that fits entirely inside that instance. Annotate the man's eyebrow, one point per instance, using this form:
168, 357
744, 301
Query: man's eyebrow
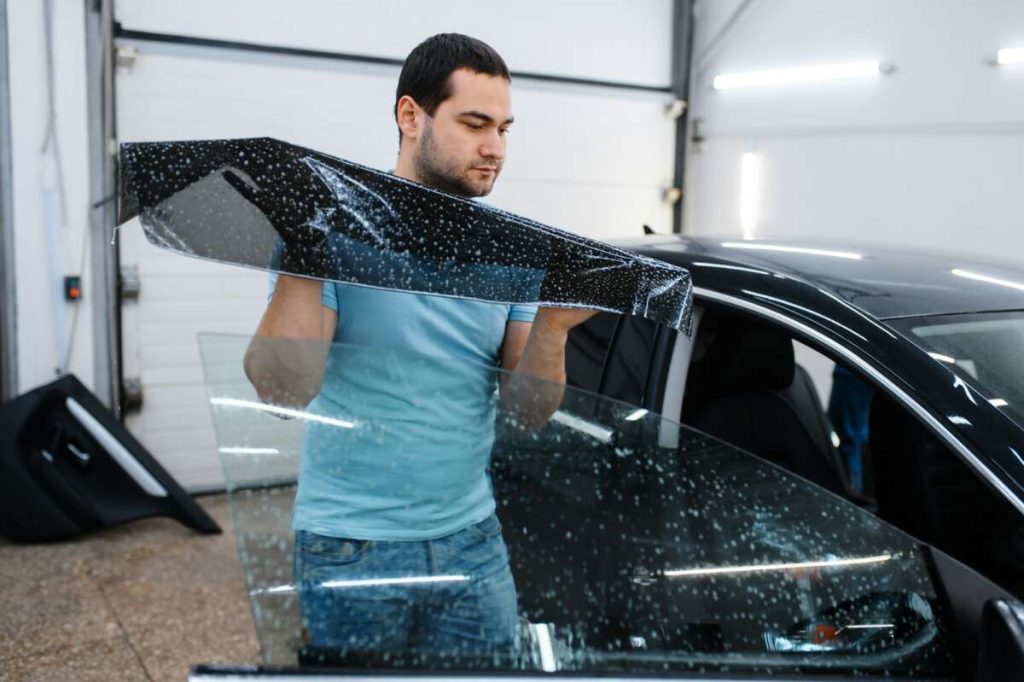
485, 117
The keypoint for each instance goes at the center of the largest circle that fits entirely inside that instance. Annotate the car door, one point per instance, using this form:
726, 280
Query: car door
631, 555
763, 386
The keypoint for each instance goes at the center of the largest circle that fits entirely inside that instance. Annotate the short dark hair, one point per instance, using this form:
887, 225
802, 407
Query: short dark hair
427, 70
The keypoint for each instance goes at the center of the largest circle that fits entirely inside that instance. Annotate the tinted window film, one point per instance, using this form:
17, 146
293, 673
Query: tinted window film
268, 204
586, 350
624, 556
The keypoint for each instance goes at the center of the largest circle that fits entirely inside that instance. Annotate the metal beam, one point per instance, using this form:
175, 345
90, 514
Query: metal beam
195, 41
8, 291
106, 309
682, 57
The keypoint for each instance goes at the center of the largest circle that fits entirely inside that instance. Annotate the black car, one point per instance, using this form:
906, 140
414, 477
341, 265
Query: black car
937, 338
684, 512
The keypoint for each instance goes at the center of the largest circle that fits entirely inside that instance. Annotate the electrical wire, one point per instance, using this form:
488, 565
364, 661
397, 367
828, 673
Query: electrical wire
51, 153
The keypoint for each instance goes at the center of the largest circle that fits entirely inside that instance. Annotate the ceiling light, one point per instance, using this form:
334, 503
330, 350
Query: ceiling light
1010, 55
800, 74
753, 246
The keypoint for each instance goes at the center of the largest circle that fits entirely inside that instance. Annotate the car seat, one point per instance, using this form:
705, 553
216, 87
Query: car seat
745, 388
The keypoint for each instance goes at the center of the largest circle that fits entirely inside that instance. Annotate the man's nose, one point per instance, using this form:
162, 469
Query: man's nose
493, 146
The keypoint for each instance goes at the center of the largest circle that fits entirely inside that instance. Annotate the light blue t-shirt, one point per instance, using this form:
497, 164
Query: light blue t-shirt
414, 375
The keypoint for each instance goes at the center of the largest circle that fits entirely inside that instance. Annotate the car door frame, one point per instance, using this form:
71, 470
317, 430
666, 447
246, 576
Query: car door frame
654, 395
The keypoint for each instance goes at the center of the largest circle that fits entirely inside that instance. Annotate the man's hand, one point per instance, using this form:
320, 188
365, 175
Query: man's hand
544, 358
561, 320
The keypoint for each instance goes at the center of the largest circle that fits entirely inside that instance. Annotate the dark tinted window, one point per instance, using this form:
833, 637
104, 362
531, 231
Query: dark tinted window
746, 388
586, 350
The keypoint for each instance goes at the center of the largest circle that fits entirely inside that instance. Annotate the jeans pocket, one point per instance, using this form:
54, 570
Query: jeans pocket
488, 528
336, 551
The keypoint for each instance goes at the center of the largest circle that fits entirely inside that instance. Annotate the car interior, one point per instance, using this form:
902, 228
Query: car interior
745, 387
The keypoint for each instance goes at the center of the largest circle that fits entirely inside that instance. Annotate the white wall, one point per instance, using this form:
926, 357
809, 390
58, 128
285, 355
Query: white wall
612, 40
929, 154
38, 314
589, 159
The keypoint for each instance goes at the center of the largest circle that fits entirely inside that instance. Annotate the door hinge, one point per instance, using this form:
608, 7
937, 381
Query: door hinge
131, 395
131, 285
125, 56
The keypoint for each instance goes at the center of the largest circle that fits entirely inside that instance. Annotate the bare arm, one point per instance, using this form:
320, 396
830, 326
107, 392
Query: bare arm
286, 357
538, 351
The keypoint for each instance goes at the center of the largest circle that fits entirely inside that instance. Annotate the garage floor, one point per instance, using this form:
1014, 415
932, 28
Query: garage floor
141, 602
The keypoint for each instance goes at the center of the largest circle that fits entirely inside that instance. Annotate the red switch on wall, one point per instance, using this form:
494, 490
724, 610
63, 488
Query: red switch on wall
72, 288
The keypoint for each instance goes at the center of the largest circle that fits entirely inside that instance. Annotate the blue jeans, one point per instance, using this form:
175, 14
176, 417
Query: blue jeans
451, 595
849, 409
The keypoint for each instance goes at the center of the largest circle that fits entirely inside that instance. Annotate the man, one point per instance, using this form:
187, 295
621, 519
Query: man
368, 508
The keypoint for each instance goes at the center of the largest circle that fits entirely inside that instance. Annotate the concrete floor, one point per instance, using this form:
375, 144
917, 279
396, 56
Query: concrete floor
144, 601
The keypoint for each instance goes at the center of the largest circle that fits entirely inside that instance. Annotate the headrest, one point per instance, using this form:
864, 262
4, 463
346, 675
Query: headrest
741, 357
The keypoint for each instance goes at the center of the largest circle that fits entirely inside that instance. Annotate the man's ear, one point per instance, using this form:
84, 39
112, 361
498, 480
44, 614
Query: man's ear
409, 116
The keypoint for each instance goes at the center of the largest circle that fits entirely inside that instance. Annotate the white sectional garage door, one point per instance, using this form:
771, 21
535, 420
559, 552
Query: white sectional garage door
587, 158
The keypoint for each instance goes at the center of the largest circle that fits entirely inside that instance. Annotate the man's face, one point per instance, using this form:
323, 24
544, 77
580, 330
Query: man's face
462, 147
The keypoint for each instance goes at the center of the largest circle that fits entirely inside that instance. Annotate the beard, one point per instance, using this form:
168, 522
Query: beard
448, 175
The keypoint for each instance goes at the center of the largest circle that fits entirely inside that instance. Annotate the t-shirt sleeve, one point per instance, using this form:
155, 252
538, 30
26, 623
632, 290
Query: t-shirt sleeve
329, 298
522, 313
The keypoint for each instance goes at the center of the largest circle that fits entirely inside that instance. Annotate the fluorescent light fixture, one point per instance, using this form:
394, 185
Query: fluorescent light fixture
750, 193
411, 580
801, 74
753, 246
248, 451
636, 414
943, 358
595, 431
1010, 55
958, 420
998, 402
762, 568
991, 280
279, 411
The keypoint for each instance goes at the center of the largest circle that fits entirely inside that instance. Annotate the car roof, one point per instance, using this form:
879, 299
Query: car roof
885, 282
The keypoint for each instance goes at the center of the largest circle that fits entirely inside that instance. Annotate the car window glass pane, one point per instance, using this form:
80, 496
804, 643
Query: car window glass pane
586, 348
886, 460
623, 555
746, 387
984, 349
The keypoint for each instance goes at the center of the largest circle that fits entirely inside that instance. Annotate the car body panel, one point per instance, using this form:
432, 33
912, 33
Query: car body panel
826, 311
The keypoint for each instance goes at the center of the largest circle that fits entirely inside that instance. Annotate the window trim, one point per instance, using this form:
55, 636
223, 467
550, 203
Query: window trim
880, 379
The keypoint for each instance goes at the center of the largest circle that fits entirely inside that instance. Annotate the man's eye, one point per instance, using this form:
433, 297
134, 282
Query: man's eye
474, 126
503, 131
